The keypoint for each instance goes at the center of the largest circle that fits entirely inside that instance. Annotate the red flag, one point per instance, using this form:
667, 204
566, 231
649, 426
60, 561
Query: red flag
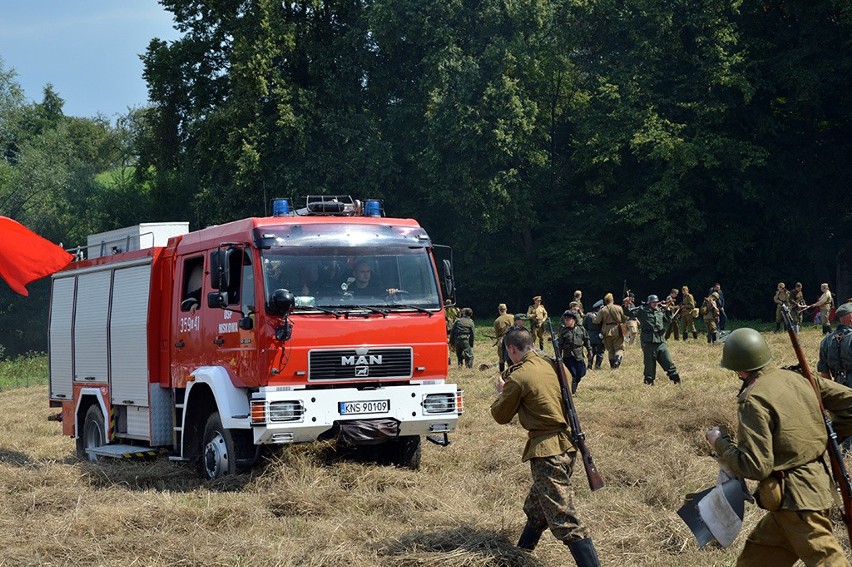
25, 256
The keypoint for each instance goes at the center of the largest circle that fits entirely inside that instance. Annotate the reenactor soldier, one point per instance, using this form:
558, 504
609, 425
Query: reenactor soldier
519, 322
835, 350
671, 302
537, 316
611, 318
595, 336
531, 391
653, 321
572, 340
452, 313
825, 303
797, 305
575, 308
461, 336
687, 314
782, 297
710, 310
578, 299
781, 440
501, 325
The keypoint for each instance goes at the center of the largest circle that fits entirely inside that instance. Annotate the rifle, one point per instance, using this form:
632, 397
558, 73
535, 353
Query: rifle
838, 469
577, 436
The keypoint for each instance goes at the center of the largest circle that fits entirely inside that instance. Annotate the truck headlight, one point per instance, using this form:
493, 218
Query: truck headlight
439, 403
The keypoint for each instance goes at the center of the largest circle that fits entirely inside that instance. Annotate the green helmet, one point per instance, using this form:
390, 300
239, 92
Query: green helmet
745, 350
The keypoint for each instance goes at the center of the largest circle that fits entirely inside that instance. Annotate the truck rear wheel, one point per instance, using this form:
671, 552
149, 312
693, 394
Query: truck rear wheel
93, 435
217, 456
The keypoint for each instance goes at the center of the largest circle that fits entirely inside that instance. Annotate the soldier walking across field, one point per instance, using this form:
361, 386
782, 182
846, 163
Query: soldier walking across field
502, 324
835, 350
578, 299
687, 314
611, 317
781, 439
782, 297
595, 337
531, 391
653, 321
537, 315
461, 337
671, 301
572, 339
825, 303
710, 310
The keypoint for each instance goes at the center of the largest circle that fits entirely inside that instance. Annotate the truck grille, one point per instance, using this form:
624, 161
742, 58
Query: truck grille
360, 364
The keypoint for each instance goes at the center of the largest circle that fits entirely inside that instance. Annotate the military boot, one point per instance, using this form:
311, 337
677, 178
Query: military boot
695, 335
649, 380
709, 337
617, 361
777, 327
574, 385
584, 553
685, 336
675, 378
529, 537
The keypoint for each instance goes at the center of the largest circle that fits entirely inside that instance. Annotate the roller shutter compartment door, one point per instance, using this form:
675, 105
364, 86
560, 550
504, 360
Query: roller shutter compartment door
129, 370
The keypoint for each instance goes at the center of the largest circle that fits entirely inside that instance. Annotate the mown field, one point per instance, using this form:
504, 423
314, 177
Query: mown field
462, 508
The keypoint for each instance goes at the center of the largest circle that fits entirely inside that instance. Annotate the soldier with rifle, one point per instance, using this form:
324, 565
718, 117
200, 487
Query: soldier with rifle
535, 389
781, 441
671, 303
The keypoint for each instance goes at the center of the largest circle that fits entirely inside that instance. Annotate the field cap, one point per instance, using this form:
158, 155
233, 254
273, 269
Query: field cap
502, 307
569, 313
537, 298
844, 310
598, 303
520, 316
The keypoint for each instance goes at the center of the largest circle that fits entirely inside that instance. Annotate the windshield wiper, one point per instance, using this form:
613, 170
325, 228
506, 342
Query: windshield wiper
383, 312
409, 306
334, 312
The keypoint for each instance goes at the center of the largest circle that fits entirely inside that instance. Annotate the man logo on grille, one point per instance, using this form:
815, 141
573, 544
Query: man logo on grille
361, 360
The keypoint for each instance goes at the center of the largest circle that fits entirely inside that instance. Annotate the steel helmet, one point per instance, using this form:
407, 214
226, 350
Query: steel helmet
652, 298
745, 350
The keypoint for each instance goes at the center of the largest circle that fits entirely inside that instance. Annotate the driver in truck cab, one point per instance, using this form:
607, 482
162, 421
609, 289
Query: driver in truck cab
362, 284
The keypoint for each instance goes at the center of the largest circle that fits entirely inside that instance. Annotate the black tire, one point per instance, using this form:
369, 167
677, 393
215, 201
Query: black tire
93, 434
406, 452
217, 457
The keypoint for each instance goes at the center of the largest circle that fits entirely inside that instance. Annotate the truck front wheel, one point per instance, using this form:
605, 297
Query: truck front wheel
406, 451
93, 435
218, 457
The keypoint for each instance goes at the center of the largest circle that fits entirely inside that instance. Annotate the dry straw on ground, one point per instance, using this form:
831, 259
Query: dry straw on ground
463, 508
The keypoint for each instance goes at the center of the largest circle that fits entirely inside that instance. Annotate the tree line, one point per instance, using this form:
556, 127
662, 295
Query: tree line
555, 144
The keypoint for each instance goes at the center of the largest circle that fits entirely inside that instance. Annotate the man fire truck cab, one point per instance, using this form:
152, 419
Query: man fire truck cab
316, 323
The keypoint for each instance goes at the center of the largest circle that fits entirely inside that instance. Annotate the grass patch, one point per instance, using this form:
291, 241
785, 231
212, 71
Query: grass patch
26, 370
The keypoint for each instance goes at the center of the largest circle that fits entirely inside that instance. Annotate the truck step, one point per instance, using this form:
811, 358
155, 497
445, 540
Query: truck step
124, 451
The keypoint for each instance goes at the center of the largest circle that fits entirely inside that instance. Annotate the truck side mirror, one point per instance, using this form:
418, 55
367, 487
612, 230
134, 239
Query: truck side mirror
280, 303
220, 268
449, 281
217, 300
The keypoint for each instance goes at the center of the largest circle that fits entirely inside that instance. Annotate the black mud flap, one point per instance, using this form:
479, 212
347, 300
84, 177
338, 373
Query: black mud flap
368, 431
438, 440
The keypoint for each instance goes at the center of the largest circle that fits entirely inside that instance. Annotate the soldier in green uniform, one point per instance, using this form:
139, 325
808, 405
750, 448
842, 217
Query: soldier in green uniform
653, 321
835, 350
461, 336
537, 315
572, 340
595, 336
782, 297
710, 310
531, 391
780, 442
611, 317
797, 305
687, 314
501, 325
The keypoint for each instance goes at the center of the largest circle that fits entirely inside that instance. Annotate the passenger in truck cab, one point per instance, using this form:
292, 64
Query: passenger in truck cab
362, 283
192, 290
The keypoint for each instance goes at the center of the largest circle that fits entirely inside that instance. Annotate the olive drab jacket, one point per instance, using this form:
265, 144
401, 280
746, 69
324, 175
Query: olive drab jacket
537, 315
653, 323
592, 329
782, 297
610, 318
532, 392
572, 341
452, 314
502, 324
781, 429
462, 331
688, 304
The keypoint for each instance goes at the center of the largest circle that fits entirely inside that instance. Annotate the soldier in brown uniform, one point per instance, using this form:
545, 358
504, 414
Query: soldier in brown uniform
611, 317
578, 299
687, 314
780, 442
537, 315
671, 303
797, 305
782, 297
531, 391
825, 303
710, 310
501, 325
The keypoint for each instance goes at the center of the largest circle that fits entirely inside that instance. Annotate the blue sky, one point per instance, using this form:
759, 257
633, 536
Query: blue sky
87, 49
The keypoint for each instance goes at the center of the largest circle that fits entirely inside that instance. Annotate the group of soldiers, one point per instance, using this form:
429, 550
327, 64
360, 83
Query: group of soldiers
795, 301
781, 438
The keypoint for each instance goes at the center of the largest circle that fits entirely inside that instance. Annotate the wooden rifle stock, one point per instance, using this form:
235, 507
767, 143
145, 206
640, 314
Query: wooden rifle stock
838, 469
577, 436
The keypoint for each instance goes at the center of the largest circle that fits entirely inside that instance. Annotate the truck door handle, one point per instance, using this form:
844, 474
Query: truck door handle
218, 341
180, 344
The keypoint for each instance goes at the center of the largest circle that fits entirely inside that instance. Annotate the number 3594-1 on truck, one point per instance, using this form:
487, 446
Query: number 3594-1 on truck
316, 323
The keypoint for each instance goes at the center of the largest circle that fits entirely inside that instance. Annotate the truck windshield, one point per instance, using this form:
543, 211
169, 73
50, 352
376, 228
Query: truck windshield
349, 277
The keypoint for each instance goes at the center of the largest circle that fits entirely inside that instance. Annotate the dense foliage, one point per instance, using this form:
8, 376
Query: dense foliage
556, 144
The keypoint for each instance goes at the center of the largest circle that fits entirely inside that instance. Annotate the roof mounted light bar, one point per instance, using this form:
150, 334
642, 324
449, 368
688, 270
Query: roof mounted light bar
330, 205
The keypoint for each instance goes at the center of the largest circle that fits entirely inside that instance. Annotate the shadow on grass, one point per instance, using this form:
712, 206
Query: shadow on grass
15, 458
455, 546
157, 474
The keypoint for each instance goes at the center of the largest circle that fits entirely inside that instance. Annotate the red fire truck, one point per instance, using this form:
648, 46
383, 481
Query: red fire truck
322, 322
